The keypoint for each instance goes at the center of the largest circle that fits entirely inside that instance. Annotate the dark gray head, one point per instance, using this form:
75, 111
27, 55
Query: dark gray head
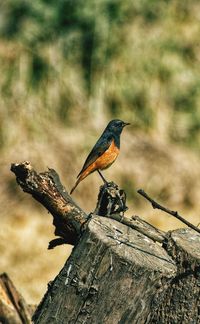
116, 126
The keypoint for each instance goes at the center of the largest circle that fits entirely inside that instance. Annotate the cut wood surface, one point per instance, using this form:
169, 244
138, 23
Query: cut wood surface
112, 276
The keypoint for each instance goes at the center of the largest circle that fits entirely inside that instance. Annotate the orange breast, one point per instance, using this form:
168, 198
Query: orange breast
102, 162
108, 157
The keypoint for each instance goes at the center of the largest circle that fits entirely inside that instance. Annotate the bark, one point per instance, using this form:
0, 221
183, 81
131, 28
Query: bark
112, 203
13, 308
68, 218
141, 226
112, 276
111, 200
181, 302
47, 189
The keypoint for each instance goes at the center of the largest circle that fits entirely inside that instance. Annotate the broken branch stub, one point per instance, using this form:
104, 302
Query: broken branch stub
111, 200
112, 203
47, 189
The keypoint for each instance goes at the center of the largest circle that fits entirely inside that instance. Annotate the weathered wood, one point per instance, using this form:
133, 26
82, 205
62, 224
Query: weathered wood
13, 308
111, 200
141, 226
46, 188
181, 302
68, 218
112, 276
115, 274
112, 203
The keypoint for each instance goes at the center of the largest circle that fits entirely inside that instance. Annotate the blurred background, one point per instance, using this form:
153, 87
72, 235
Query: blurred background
67, 68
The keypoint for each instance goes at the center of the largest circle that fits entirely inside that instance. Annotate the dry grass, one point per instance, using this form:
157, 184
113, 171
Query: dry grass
24, 241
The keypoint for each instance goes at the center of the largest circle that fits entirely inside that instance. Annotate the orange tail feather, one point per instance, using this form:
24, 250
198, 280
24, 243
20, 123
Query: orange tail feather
76, 184
91, 168
82, 176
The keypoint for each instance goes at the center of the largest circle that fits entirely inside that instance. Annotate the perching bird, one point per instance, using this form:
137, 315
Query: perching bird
105, 151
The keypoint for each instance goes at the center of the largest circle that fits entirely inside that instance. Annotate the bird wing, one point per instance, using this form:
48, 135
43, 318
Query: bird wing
100, 147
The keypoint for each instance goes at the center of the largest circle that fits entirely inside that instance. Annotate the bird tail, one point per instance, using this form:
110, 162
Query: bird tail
82, 176
76, 184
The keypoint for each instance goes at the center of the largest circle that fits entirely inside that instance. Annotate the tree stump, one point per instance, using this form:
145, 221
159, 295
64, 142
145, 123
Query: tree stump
181, 302
112, 276
117, 272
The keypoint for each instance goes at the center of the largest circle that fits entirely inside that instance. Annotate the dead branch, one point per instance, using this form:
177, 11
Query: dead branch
155, 205
46, 188
68, 218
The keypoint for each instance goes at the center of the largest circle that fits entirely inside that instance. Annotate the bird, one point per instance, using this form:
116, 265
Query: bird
104, 152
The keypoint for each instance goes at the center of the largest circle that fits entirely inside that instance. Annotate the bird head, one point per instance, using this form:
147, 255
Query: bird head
116, 125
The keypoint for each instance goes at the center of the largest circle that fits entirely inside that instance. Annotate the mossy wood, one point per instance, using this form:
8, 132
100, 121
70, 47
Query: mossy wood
115, 274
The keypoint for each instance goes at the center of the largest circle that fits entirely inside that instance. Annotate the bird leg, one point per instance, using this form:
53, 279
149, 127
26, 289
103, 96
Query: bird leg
102, 177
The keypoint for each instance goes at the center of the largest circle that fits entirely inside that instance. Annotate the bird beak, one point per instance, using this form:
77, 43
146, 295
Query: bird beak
126, 124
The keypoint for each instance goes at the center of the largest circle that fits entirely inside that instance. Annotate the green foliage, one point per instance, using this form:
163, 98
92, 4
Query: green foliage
81, 27
130, 57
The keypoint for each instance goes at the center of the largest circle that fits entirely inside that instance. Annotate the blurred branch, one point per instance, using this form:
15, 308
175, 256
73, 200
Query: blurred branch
13, 308
46, 188
155, 205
